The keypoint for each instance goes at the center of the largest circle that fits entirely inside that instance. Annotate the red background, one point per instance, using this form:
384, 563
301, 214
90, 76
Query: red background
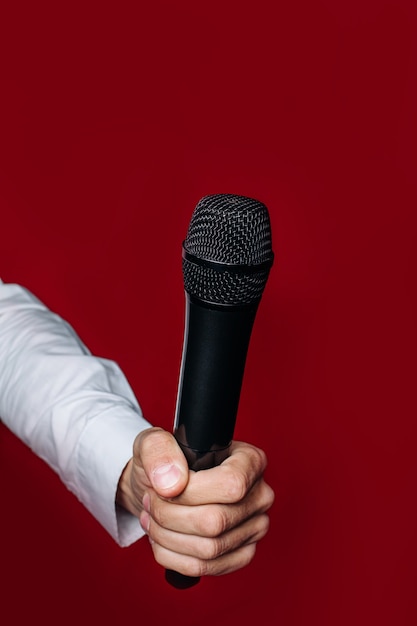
115, 121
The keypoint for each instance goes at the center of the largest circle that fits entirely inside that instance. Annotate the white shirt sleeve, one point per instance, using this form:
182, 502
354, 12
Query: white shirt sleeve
76, 411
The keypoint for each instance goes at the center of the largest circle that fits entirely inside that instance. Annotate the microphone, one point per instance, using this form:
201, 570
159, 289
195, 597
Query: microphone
226, 259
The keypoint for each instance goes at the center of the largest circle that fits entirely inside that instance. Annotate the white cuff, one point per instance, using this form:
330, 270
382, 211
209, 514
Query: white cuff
104, 449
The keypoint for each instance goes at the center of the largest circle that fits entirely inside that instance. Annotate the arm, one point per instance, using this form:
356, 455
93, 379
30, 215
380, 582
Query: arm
76, 411
79, 414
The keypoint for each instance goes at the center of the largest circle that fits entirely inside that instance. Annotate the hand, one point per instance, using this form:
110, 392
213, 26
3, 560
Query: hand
199, 523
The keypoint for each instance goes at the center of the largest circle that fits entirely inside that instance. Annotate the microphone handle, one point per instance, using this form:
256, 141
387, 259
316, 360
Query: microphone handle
216, 341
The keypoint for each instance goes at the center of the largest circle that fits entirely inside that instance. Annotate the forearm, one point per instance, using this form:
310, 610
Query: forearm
75, 410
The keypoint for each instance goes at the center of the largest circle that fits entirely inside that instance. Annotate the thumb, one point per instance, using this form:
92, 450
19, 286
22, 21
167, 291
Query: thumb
163, 461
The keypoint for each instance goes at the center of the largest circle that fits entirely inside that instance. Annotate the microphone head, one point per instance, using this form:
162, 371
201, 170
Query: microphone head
227, 252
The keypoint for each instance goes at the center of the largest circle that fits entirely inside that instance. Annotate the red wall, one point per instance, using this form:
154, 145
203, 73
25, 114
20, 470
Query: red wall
114, 122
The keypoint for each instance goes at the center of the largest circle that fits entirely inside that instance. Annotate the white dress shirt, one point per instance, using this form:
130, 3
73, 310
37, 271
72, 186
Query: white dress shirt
76, 411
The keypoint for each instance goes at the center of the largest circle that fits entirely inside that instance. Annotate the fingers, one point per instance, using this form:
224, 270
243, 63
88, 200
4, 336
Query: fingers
209, 520
209, 548
194, 566
208, 539
230, 481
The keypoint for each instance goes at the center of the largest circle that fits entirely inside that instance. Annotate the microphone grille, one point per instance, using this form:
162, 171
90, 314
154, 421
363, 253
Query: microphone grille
227, 228
235, 231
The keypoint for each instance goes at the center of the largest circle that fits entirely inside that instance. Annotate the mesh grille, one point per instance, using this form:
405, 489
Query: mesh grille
230, 229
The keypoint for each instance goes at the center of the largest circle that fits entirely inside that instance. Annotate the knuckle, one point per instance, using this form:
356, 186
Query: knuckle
262, 457
193, 567
147, 439
154, 441
248, 555
268, 497
259, 460
212, 549
213, 523
235, 485
197, 568
263, 524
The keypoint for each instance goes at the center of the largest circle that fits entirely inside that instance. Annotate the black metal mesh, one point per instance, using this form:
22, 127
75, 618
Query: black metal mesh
230, 229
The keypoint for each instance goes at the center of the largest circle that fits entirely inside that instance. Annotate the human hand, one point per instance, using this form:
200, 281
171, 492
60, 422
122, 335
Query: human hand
199, 523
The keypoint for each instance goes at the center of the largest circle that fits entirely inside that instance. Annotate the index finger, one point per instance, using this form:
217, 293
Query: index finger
229, 482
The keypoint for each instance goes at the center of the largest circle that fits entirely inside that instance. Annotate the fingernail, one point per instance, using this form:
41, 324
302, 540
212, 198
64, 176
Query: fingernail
145, 521
166, 476
146, 503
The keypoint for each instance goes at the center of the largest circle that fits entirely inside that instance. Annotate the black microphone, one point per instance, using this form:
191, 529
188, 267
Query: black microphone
226, 259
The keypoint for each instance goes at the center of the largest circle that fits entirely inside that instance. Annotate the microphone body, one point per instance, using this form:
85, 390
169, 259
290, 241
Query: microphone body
227, 256
214, 355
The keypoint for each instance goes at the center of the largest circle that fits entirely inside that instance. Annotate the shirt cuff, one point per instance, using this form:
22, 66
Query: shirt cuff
103, 451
